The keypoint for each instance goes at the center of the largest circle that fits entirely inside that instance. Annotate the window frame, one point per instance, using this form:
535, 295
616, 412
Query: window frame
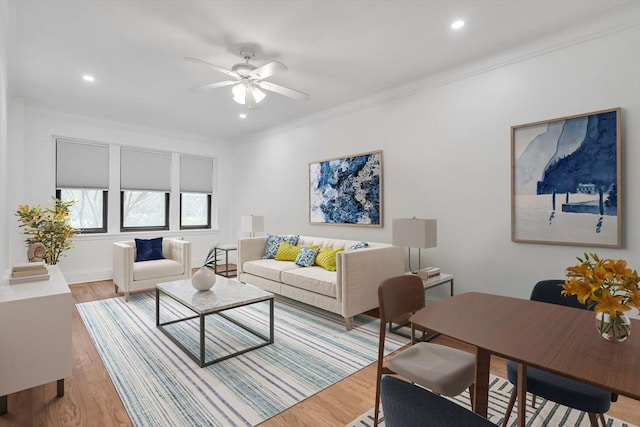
206, 226
145, 228
105, 211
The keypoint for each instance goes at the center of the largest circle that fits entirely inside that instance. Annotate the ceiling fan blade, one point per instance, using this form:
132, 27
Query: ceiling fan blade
211, 86
215, 67
267, 70
282, 90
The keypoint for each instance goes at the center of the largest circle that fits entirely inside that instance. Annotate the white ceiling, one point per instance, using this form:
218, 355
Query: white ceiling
335, 50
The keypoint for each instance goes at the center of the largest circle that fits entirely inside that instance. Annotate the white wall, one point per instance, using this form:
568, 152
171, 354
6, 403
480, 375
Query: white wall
32, 171
5, 26
446, 154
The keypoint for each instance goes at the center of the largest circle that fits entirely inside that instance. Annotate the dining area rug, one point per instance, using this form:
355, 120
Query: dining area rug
545, 414
161, 386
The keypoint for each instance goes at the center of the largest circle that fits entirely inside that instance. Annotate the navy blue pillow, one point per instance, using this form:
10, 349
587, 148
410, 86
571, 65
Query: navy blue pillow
149, 249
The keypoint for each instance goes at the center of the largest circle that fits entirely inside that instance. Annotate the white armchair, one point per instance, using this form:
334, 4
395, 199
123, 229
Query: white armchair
130, 276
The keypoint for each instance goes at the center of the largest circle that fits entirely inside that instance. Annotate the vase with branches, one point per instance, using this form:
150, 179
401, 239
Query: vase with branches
50, 226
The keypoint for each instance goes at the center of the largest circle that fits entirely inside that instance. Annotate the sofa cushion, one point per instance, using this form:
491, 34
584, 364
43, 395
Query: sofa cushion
268, 268
148, 249
287, 252
273, 243
327, 258
314, 279
307, 256
155, 269
325, 241
359, 245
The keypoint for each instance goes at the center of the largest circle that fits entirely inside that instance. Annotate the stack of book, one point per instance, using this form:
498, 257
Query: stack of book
428, 272
29, 272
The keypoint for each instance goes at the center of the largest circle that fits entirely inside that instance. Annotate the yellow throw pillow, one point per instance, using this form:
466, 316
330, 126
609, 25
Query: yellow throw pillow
287, 252
327, 258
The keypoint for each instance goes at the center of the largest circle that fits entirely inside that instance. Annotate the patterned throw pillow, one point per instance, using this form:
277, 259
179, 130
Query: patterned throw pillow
359, 245
287, 252
307, 256
273, 243
327, 258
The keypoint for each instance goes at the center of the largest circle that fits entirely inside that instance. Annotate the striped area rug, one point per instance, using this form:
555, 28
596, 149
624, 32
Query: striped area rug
161, 386
545, 414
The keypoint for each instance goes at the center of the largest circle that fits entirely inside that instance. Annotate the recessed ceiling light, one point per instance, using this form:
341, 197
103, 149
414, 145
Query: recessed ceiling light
88, 78
456, 25
242, 115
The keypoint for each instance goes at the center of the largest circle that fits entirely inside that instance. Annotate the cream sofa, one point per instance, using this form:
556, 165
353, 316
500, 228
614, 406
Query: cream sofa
130, 276
351, 289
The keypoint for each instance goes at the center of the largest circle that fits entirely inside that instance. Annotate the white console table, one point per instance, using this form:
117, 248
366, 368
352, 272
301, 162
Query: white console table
35, 334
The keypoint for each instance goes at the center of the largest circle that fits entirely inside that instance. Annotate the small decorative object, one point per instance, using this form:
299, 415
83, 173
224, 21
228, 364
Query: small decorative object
50, 227
205, 277
36, 252
610, 288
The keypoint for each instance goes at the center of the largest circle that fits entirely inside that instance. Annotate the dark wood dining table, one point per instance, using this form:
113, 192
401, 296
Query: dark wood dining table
555, 338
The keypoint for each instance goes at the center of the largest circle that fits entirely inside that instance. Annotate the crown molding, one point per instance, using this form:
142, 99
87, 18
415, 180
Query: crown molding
615, 20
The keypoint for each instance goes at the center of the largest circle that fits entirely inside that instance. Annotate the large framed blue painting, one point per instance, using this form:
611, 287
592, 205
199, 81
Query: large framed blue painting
346, 190
566, 181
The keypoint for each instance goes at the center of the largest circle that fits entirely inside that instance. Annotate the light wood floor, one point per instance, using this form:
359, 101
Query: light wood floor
91, 400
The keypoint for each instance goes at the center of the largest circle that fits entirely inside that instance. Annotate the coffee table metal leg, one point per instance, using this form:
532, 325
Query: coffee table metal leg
271, 321
202, 333
157, 306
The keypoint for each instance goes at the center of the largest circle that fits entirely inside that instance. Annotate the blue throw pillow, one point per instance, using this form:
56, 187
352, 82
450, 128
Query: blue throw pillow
273, 243
149, 249
307, 256
359, 245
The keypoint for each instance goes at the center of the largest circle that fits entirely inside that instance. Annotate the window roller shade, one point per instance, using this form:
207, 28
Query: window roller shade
82, 165
145, 170
196, 174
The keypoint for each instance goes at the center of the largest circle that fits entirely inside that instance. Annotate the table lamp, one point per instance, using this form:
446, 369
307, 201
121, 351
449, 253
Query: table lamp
415, 233
251, 224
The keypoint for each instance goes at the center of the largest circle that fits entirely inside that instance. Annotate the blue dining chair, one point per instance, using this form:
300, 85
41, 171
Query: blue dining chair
408, 405
559, 389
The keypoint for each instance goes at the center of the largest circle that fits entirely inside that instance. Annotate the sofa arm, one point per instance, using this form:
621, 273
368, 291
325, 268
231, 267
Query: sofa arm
360, 273
123, 258
250, 249
181, 252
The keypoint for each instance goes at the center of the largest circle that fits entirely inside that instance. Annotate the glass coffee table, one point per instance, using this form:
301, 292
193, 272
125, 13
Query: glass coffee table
225, 295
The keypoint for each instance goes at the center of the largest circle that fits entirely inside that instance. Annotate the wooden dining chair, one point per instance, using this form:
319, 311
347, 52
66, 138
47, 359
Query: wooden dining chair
441, 369
564, 391
408, 405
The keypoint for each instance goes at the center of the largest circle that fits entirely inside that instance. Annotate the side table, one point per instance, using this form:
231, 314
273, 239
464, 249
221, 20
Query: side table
429, 283
227, 272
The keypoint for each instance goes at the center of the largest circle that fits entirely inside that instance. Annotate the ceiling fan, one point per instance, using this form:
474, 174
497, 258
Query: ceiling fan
249, 79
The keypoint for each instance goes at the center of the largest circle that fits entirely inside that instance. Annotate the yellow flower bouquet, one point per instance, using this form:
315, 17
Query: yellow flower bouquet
610, 288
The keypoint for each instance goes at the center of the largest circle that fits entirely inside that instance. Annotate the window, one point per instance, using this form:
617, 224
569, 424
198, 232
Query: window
145, 184
89, 213
144, 210
195, 210
196, 186
82, 175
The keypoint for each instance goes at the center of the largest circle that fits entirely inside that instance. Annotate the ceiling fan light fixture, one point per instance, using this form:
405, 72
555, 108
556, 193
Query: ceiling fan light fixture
240, 93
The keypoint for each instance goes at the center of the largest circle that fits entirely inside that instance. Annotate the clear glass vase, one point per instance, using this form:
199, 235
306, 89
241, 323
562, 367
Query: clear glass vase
614, 329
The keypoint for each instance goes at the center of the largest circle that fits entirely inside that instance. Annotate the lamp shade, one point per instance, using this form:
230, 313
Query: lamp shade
240, 93
251, 223
415, 233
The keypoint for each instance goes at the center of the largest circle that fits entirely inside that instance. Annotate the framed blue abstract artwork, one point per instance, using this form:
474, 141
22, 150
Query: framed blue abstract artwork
346, 190
566, 181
